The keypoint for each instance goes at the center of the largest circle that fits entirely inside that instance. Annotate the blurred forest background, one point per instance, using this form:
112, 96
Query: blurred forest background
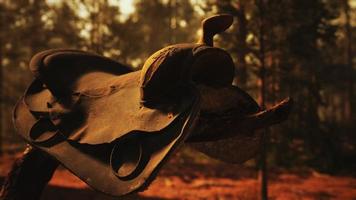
297, 48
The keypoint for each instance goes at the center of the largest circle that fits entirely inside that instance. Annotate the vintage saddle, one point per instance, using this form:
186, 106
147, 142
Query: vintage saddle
114, 127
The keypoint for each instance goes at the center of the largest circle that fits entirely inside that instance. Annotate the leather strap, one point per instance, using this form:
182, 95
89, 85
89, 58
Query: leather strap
128, 158
45, 133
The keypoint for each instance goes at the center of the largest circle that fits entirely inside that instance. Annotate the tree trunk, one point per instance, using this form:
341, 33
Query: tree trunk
349, 100
263, 156
2, 23
241, 36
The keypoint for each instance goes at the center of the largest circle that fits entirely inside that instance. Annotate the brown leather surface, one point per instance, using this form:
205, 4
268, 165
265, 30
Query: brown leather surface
86, 124
215, 103
105, 114
235, 150
177, 65
91, 163
100, 101
62, 70
114, 127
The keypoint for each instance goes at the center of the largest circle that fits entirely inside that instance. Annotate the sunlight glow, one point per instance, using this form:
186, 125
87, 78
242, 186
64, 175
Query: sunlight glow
352, 3
127, 7
82, 11
53, 2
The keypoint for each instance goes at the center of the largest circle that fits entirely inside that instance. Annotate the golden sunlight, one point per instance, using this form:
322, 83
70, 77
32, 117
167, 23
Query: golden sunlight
126, 6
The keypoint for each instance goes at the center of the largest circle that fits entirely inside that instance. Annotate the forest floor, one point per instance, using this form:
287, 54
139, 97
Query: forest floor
182, 179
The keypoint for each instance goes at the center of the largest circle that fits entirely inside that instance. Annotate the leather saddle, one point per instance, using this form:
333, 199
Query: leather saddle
114, 127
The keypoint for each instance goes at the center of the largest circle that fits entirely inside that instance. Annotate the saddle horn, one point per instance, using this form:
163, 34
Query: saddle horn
214, 25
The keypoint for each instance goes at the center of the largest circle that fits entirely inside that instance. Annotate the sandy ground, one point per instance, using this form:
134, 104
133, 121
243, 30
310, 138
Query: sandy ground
182, 180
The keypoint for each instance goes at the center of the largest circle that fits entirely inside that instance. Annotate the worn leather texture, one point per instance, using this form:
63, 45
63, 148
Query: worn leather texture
114, 127
85, 109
